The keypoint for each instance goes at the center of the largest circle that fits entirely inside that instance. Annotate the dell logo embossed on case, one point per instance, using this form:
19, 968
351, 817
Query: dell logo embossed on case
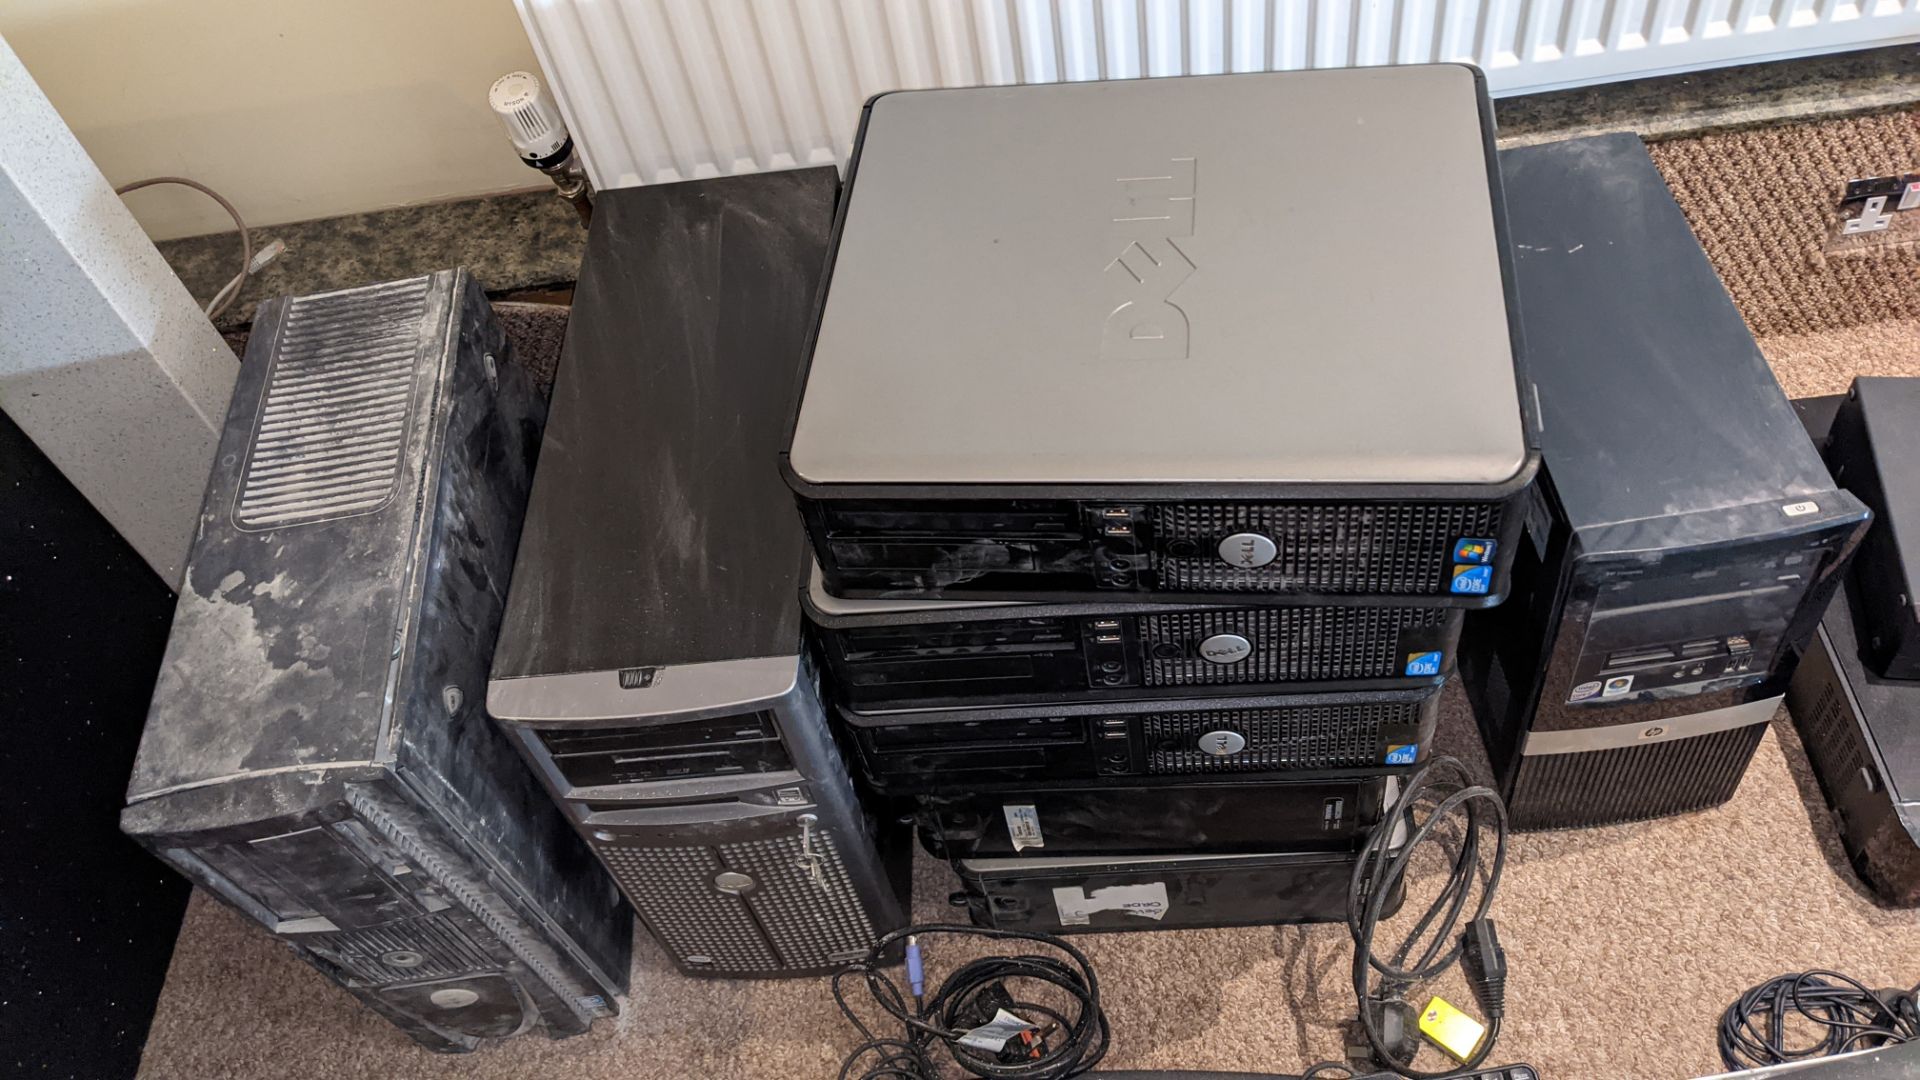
1150, 211
1225, 649
1223, 743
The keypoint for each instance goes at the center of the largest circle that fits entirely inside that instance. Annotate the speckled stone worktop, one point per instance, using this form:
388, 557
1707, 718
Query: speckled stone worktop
532, 240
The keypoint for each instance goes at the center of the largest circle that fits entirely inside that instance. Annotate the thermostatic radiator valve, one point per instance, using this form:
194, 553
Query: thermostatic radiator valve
540, 135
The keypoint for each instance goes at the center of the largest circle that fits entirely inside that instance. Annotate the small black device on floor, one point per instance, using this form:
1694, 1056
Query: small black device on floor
651, 665
1853, 698
1687, 534
317, 755
1052, 364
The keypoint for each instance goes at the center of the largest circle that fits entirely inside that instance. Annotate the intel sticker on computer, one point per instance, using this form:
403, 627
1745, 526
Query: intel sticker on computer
1402, 755
1470, 550
1423, 663
1472, 580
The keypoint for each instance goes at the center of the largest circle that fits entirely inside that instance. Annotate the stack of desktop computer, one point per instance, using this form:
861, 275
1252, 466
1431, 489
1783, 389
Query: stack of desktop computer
1148, 479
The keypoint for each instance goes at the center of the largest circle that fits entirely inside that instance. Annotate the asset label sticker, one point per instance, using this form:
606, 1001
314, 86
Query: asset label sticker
1617, 685
1023, 825
1472, 580
1423, 663
1076, 906
1402, 755
992, 1036
1474, 550
1584, 691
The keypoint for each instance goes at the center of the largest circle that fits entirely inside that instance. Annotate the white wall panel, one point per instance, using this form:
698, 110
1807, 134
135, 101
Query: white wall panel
659, 90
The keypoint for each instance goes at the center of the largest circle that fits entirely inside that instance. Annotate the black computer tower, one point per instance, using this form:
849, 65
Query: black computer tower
317, 755
1872, 448
1687, 535
651, 665
1862, 735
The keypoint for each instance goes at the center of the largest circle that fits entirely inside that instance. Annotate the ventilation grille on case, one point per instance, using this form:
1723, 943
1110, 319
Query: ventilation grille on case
1392, 548
673, 890
1288, 643
333, 423
1831, 738
1298, 737
811, 925
429, 947
1631, 783
784, 922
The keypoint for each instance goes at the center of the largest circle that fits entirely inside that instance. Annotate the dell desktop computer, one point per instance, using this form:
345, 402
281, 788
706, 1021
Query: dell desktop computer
1122, 340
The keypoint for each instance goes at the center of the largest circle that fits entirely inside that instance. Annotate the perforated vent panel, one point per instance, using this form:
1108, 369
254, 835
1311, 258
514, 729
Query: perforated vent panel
1288, 643
1302, 737
1631, 783
1832, 740
428, 947
333, 423
810, 924
673, 890
1375, 548
784, 921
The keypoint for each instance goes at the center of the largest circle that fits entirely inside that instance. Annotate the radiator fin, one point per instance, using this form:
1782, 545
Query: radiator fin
332, 430
1338, 736
1289, 644
1631, 783
1393, 548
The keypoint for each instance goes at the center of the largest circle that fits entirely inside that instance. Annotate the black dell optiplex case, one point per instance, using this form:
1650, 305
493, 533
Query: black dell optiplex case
1862, 734
891, 655
1073, 345
1173, 741
1095, 894
1688, 535
1872, 449
317, 755
651, 663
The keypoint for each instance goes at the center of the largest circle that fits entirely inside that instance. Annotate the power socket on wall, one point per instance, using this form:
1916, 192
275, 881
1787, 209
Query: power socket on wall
1873, 214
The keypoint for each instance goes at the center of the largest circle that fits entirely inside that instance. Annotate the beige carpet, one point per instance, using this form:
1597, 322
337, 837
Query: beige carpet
1625, 943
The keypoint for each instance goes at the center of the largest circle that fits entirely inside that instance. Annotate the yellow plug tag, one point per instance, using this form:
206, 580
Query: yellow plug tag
1451, 1030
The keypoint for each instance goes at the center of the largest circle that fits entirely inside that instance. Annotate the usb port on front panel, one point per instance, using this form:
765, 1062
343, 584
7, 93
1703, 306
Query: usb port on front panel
1107, 639
1106, 624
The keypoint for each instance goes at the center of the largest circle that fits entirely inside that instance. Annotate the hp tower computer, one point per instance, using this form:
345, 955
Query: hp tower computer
317, 755
1687, 536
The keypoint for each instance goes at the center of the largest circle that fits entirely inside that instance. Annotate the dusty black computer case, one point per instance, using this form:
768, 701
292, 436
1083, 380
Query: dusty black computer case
317, 755
1687, 535
651, 666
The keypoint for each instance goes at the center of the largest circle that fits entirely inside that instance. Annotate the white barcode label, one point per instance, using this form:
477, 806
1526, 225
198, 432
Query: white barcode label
1023, 826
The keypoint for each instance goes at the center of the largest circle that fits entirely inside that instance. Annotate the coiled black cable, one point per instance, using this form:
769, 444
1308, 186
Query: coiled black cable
1442, 788
1848, 1015
1073, 1035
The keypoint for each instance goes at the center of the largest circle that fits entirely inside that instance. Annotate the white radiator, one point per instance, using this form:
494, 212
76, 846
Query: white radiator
659, 90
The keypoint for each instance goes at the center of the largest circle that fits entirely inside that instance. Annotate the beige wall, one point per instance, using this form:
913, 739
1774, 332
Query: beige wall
293, 109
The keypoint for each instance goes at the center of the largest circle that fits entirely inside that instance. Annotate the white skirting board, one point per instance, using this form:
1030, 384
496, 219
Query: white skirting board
662, 90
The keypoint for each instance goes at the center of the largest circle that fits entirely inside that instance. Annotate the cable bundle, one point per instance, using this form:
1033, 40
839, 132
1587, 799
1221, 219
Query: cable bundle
1849, 1015
1441, 789
1072, 1037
